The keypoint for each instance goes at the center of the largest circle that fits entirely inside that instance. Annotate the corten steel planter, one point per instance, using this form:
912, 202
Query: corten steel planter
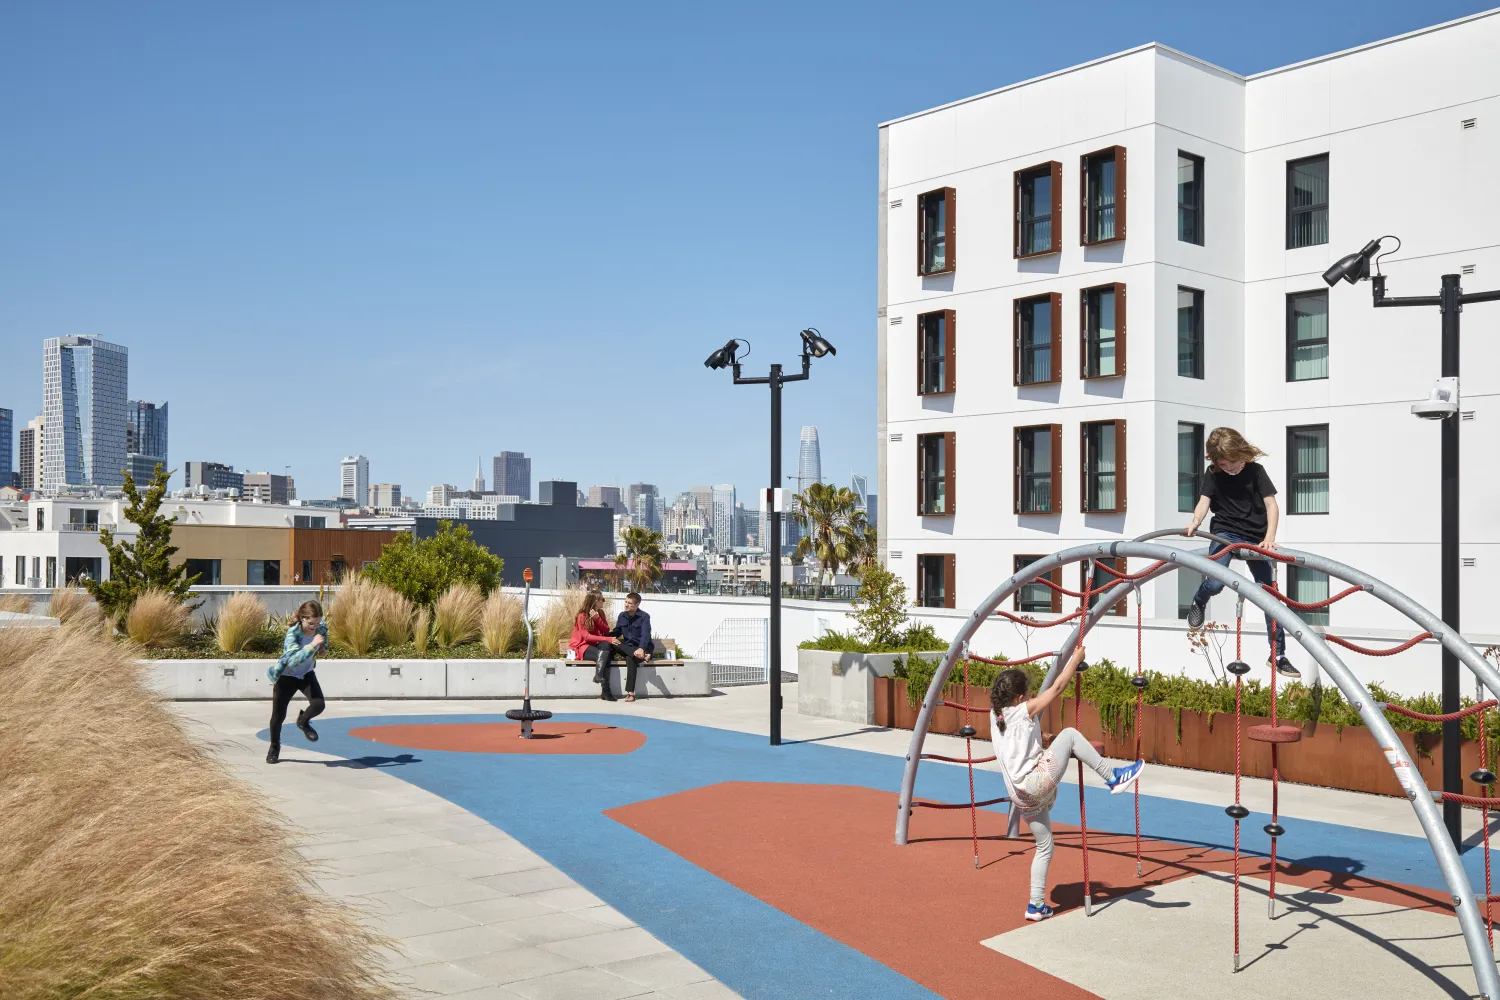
1329, 758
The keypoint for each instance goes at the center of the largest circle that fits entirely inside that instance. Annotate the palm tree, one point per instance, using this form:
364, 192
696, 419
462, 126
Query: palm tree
869, 547
641, 560
833, 526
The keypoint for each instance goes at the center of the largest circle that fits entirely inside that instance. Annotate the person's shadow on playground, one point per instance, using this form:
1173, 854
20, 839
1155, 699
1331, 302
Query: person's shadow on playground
361, 763
1069, 896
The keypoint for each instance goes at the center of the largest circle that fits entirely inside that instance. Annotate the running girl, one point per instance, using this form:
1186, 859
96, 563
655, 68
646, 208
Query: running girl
1033, 773
294, 672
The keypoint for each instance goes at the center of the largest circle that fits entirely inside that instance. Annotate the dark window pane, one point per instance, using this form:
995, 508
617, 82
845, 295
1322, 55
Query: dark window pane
1307, 336
1307, 202
1036, 340
1190, 199
930, 582
1308, 457
1189, 332
1101, 360
1032, 598
934, 335
1036, 212
1036, 470
1100, 465
1189, 463
934, 474
1308, 586
1101, 198
935, 233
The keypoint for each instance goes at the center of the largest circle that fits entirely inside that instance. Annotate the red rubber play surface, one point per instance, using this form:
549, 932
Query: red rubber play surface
505, 737
824, 855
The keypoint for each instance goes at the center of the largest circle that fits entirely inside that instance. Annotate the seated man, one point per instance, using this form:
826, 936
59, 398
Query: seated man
633, 632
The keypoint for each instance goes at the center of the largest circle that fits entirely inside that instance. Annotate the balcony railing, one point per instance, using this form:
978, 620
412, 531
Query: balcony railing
77, 526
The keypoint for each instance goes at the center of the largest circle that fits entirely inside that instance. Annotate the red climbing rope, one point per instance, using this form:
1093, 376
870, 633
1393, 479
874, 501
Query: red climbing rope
1315, 605
1011, 663
957, 805
1027, 620
966, 709
1472, 801
969, 756
1059, 588
1140, 692
1447, 717
956, 760
1408, 644
1122, 576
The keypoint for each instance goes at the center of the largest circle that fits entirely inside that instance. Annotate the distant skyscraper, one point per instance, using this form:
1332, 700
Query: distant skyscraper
872, 509
145, 439
513, 474
860, 486
479, 475
647, 511
32, 438
211, 475
723, 514
385, 495
607, 496
741, 524
268, 487
354, 475
809, 459
441, 494
635, 490
84, 383
7, 437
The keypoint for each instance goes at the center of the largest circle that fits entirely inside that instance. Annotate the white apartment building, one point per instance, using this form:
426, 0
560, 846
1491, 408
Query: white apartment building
1021, 228
354, 479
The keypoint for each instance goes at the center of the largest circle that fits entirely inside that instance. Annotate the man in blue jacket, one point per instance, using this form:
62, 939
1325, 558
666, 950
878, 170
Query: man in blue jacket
633, 629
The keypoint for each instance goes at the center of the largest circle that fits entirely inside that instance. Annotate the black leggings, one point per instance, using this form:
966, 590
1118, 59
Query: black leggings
281, 697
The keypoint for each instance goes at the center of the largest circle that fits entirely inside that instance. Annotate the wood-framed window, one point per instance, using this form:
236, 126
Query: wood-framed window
936, 236
1103, 450
1308, 586
1189, 332
1307, 202
1102, 580
1038, 469
1038, 222
1038, 598
1102, 315
935, 580
1307, 469
935, 352
936, 474
1307, 335
1190, 462
1189, 198
1102, 186
1038, 340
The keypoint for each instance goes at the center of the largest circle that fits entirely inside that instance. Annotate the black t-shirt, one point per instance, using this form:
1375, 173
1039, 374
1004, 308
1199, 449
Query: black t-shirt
1238, 502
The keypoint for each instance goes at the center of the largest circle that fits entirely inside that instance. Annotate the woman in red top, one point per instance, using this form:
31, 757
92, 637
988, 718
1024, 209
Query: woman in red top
591, 639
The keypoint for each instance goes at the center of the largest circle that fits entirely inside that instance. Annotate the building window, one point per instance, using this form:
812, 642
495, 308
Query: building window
1190, 462
308, 521
1307, 202
1038, 341
1189, 198
935, 474
1036, 598
1307, 336
263, 573
77, 569
935, 352
1102, 580
51, 571
306, 571
1102, 175
206, 570
1307, 469
935, 581
935, 232
1187, 586
336, 567
81, 519
20, 571
1103, 316
41, 519
1189, 332
1104, 466
1038, 476
1308, 586
1038, 210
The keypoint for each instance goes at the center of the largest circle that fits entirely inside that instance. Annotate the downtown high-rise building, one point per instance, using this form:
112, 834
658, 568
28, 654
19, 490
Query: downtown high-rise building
145, 439
84, 388
478, 486
607, 496
354, 479
212, 476
512, 474
30, 459
7, 436
268, 487
809, 471
723, 514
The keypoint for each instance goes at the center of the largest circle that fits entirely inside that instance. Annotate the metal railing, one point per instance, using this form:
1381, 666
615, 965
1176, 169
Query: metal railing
738, 652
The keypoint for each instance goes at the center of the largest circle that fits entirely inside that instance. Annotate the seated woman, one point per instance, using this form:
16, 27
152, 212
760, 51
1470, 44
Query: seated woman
591, 639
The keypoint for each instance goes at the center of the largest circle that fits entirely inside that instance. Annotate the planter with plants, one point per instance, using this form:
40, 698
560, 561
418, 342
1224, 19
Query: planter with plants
837, 672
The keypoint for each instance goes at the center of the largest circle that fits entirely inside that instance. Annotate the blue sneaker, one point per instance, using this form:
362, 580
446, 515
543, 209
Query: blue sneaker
1126, 776
1035, 912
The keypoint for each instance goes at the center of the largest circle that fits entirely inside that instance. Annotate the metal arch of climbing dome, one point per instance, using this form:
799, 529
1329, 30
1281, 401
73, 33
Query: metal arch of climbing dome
1168, 559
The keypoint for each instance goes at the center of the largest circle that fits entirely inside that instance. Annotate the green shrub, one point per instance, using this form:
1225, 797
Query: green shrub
423, 569
916, 639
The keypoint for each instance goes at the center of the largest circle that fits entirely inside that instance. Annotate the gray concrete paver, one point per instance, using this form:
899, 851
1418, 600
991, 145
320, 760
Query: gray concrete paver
609, 947
579, 984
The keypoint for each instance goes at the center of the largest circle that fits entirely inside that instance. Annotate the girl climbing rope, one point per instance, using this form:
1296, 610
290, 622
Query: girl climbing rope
1032, 772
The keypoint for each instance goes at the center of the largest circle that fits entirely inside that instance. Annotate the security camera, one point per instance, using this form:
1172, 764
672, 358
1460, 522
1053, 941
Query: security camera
1441, 401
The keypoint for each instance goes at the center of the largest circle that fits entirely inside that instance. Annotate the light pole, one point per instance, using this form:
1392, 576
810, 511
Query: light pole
1441, 404
813, 346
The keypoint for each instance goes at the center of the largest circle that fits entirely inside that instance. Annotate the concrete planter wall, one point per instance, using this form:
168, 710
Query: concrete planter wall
842, 685
231, 680
1329, 758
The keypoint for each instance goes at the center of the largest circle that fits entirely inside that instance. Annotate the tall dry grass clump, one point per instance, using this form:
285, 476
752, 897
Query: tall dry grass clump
71, 604
242, 619
157, 619
500, 626
17, 603
354, 616
421, 631
556, 625
152, 875
456, 615
395, 616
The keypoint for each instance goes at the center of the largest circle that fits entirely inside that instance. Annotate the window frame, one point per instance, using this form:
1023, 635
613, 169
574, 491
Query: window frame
1118, 563
1053, 170
1199, 169
1292, 212
1197, 468
949, 478
1054, 606
1198, 340
950, 258
1087, 210
1054, 366
950, 566
1291, 333
949, 319
1090, 476
1293, 478
1088, 325
1318, 616
1018, 482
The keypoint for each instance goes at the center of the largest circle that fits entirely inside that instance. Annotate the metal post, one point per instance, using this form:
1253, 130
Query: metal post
1452, 305
774, 521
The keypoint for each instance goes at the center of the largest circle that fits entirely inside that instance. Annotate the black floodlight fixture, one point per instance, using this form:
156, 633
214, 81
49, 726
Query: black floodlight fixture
1354, 267
814, 344
723, 357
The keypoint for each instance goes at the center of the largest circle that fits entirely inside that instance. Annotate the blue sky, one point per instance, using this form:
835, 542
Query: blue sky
427, 232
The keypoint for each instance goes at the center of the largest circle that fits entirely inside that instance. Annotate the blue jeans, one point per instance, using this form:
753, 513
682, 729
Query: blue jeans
1262, 572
